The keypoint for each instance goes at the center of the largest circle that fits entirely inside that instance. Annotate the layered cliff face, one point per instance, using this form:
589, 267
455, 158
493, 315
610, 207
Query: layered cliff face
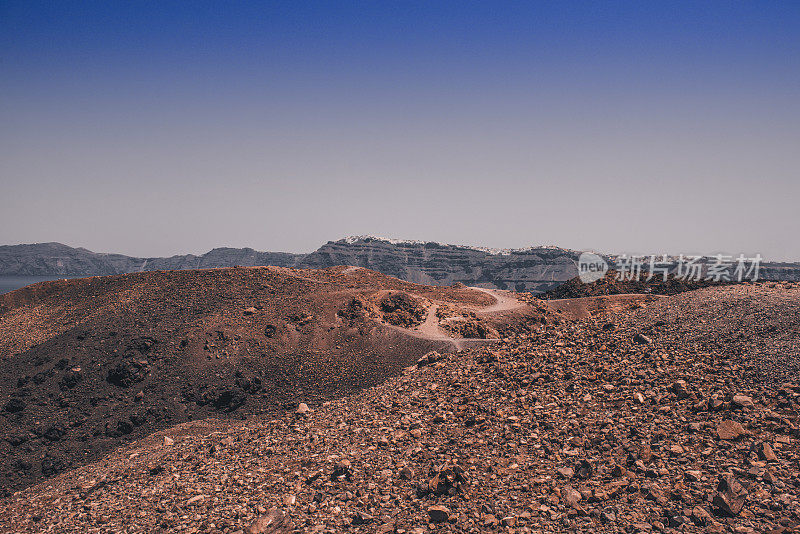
47, 259
535, 269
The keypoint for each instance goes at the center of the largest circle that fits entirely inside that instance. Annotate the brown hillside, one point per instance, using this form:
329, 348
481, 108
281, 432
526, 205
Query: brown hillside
609, 285
89, 364
629, 421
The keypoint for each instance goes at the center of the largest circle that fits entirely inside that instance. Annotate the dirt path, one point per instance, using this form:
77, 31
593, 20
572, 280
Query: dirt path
430, 329
504, 302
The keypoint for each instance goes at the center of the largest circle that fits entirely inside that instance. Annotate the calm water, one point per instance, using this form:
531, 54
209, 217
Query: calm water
10, 283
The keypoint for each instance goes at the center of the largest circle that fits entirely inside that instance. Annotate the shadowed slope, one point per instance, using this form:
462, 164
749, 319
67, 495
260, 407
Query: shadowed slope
88, 364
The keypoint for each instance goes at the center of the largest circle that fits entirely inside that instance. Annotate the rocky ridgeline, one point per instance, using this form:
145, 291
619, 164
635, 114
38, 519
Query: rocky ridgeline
535, 269
426, 263
601, 425
53, 259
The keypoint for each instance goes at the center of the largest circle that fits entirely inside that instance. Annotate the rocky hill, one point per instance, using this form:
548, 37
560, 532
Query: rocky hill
678, 414
89, 364
610, 285
54, 259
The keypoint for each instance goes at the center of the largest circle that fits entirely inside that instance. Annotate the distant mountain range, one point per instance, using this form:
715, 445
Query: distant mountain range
534, 269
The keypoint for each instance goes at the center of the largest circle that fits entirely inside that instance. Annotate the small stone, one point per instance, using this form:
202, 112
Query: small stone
742, 401
645, 453
508, 521
341, 470
571, 496
642, 339
730, 430
715, 403
439, 514
681, 389
249, 311
676, 450
429, 358
168, 440
566, 472
267, 523
693, 475
490, 521
197, 499
406, 473
655, 494
584, 469
302, 409
769, 477
730, 496
608, 517
765, 452
362, 518
701, 517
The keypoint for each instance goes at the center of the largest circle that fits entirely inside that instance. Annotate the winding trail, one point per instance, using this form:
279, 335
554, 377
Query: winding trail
430, 329
504, 302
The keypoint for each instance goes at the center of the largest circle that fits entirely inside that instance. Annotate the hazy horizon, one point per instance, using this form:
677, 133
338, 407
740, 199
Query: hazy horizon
161, 129
643, 253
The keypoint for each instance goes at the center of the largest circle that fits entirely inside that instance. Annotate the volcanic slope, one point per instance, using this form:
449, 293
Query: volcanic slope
89, 364
610, 285
639, 420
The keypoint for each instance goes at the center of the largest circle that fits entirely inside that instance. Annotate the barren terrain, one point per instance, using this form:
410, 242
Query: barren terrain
89, 364
670, 414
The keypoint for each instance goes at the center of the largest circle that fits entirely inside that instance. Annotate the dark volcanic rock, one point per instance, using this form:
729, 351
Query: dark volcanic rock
125, 374
14, 405
730, 496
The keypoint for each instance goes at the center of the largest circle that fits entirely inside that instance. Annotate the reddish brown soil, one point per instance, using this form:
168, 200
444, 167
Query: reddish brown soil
663, 418
89, 364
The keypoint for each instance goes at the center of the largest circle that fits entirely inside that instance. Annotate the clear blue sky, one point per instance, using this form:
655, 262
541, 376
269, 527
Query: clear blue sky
153, 128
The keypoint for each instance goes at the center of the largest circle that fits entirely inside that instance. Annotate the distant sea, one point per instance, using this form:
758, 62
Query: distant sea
10, 283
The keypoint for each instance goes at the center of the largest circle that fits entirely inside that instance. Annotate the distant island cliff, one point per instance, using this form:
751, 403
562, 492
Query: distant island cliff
534, 269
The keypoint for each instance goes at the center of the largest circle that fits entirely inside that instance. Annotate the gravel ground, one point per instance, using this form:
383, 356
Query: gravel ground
754, 325
610, 424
